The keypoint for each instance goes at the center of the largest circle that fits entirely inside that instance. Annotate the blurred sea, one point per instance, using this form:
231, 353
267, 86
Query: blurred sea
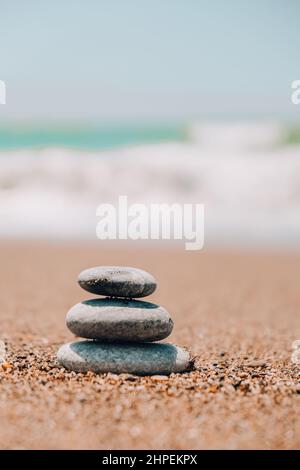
247, 175
88, 137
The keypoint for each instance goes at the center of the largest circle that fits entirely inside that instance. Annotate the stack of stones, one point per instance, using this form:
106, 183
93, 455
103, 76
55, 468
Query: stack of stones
122, 332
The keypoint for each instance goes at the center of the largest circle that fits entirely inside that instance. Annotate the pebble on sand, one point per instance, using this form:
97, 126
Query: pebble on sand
2, 352
117, 281
118, 320
138, 359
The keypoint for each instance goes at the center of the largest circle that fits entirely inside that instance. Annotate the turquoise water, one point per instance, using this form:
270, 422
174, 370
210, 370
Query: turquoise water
85, 136
93, 137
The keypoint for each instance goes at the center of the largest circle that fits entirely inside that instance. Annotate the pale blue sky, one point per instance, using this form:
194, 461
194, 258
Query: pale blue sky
142, 59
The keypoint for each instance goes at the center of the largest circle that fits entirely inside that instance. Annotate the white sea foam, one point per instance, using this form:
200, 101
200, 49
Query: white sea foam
249, 183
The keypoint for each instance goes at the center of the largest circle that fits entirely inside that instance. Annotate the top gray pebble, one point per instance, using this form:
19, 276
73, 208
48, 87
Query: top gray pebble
116, 281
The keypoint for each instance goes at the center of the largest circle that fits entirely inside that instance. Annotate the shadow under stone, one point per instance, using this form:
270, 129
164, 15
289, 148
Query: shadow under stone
118, 302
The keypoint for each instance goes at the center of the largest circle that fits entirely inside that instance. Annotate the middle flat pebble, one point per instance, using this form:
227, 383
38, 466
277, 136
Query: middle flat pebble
119, 320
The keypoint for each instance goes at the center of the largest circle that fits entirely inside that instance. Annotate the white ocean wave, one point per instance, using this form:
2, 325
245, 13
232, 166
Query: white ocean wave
249, 183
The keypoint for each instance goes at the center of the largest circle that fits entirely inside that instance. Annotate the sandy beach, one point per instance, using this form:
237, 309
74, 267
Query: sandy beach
237, 313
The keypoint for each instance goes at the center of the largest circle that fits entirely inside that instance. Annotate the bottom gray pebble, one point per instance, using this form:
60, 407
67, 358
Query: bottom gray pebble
138, 359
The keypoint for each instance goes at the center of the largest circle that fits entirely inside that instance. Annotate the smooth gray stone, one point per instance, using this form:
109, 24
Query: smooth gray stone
138, 359
119, 320
116, 281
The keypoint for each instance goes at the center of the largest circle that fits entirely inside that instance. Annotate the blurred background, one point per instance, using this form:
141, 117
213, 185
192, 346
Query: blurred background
162, 101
